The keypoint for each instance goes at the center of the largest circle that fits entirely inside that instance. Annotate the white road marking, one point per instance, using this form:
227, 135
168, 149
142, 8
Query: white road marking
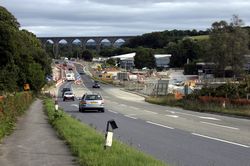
221, 140
130, 116
234, 128
151, 112
202, 117
113, 111
123, 105
75, 105
209, 118
159, 125
133, 107
173, 116
172, 112
186, 114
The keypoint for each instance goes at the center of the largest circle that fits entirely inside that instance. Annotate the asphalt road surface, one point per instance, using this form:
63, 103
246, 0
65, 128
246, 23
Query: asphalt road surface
176, 136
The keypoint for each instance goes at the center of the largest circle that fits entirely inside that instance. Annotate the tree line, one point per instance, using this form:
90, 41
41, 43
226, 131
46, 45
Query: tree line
224, 43
23, 60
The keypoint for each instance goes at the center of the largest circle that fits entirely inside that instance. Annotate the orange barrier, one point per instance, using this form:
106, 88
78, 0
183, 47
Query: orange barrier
178, 95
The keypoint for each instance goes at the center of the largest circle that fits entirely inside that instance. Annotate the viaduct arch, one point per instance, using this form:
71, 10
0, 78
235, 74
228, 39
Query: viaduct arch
97, 39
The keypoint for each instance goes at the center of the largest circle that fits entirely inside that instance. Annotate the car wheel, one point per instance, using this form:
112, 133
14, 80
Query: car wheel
80, 110
102, 110
73, 99
63, 99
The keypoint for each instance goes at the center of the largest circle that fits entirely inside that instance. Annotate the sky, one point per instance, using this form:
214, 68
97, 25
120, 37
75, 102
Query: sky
50, 18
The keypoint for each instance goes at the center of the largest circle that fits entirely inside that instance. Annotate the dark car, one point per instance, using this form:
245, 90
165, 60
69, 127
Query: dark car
96, 85
81, 72
65, 90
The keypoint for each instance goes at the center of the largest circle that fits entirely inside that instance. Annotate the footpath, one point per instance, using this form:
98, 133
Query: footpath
34, 142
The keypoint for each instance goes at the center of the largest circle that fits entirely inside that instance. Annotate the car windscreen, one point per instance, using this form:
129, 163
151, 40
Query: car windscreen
93, 97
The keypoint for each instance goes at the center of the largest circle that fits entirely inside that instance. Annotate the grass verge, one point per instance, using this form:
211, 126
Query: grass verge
196, 105
87, 144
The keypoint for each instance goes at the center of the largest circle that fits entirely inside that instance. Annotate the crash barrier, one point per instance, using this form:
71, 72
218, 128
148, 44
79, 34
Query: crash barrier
58, 82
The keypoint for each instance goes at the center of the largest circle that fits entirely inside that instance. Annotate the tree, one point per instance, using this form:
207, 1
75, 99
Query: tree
161, 39
229, 44
183, 50
111, 62
8, 18
8, 78
36, 76
144, 58
87, 55
176, 59
22, 58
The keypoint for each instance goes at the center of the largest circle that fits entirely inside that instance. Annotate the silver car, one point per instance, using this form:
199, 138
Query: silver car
91, 102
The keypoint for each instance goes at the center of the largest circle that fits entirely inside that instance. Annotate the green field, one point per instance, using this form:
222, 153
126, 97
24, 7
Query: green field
201, 37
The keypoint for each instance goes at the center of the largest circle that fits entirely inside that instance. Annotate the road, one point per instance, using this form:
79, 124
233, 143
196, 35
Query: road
174, 135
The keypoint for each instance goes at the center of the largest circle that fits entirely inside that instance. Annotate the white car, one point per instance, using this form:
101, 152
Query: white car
68, 95
70, 77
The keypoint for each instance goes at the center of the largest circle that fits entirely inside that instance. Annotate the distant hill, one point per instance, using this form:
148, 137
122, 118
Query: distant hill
161, 39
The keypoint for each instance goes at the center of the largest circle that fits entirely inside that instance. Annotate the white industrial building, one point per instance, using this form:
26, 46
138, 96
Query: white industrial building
127, 60
162, 60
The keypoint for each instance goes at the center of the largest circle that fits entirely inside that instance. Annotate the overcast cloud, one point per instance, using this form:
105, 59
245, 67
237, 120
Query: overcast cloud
121, 17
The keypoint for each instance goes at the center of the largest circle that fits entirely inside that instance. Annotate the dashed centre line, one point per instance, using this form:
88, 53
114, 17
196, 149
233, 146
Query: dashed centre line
133, 107
151, 112
74, 105
213, 124
221, 140
209, 118
173, 116
202, 117
160, 125
130, 116
113, 111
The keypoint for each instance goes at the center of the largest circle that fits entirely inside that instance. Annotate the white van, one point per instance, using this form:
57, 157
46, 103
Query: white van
70, 77
66, 60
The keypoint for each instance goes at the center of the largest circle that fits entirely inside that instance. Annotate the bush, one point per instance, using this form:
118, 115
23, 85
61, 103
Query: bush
11, 107
229, 90
205, 104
